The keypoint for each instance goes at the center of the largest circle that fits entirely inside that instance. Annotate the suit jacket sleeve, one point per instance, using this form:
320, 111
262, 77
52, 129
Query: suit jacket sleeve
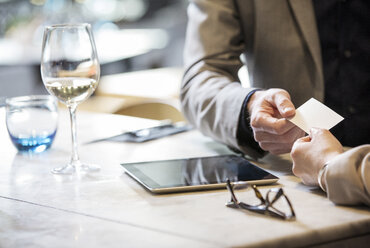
347, 177
211, 94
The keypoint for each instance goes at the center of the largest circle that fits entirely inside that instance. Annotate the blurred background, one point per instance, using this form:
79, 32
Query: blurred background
133, 39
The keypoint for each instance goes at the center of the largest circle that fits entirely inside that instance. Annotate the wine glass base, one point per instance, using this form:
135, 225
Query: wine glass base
70, 169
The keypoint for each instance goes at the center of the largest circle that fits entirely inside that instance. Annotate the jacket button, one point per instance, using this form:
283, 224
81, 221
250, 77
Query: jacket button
351, 110
347, 54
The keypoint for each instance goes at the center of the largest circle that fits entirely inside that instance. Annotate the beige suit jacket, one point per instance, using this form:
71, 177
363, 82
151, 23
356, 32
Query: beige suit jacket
347, 177
280, 41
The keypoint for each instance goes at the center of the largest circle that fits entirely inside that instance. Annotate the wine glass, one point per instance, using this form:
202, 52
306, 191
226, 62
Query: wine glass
70, 71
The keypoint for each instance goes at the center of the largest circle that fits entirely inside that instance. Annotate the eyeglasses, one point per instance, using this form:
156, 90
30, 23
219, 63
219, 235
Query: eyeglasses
266, 206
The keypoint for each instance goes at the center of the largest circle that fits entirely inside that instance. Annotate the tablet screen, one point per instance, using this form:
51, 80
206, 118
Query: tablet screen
196, 173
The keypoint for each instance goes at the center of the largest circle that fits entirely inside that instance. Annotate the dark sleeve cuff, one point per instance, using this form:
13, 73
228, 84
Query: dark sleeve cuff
245, 133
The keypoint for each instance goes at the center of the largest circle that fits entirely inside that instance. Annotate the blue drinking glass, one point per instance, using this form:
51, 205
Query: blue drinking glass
32, 122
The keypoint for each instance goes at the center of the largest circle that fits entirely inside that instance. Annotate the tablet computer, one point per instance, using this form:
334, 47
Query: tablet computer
191, 174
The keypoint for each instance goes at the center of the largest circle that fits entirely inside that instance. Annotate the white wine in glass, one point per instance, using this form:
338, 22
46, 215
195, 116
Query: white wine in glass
70, 71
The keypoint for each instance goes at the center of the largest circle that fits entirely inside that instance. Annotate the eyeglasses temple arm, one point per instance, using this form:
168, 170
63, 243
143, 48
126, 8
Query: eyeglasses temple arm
230, 188
258, 194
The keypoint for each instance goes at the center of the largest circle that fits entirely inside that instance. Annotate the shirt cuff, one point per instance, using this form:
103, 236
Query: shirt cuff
245, 133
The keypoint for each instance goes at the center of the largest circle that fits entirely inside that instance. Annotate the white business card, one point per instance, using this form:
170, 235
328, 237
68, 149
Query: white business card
315, 114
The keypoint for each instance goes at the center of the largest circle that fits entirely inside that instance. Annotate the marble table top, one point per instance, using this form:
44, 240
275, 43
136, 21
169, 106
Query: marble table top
39, 209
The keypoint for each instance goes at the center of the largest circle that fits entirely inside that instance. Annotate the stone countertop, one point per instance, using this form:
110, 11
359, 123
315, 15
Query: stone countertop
39, 209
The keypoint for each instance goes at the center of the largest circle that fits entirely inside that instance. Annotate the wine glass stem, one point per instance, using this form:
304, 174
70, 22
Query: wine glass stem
75, 160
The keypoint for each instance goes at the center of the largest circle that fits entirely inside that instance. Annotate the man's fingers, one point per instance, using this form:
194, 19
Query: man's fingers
289, 137
277, 144
266, 123
276, 148
268, 110
283, 103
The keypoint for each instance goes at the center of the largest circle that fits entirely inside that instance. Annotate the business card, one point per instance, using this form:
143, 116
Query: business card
315, 114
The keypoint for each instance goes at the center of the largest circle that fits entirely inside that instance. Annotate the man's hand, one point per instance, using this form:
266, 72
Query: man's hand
268, 110
312, 152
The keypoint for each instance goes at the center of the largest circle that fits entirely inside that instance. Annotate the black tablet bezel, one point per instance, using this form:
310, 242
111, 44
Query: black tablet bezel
149, 184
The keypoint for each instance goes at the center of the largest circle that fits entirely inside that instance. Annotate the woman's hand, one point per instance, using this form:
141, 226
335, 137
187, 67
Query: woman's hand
312, 152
